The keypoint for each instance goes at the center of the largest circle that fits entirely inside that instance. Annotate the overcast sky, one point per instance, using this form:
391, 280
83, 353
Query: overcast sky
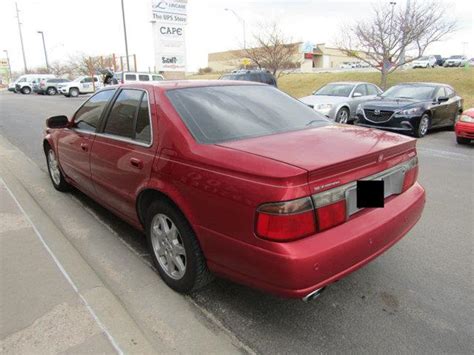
94, 27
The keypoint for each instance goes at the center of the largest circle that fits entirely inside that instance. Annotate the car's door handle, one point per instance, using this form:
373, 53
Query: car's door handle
137, 163
85, 147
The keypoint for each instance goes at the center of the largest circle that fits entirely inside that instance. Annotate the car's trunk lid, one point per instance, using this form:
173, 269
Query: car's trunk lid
332, 154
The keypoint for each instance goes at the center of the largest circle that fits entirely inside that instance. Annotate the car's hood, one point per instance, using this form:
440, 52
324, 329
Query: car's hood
341, 147
323, 99
389, 104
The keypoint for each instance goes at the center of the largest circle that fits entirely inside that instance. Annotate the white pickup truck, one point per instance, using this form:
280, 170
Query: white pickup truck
80, 85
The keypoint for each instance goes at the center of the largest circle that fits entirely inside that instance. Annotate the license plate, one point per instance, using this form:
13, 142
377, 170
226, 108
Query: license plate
370, 193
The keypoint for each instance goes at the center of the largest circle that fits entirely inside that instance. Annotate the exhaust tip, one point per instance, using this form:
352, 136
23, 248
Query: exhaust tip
313, 295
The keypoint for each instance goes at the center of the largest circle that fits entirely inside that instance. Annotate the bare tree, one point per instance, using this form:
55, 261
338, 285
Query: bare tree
383, 40
272, 50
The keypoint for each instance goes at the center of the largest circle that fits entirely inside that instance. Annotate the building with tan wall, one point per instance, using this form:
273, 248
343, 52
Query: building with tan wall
321, 57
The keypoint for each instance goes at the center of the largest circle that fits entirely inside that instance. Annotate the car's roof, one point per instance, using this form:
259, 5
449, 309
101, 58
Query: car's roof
182, 84
423, 83
350, 82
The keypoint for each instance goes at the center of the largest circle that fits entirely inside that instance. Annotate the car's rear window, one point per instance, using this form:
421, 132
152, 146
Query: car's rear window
224, 113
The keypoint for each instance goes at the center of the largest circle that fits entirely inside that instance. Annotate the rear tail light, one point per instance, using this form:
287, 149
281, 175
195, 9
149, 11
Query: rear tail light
411, 174
284, 221
291, 220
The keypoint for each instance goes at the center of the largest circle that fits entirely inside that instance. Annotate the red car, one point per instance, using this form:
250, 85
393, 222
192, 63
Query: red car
240, 180
464, 127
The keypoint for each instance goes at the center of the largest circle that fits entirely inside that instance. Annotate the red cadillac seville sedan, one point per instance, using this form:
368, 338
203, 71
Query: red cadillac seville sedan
240, 180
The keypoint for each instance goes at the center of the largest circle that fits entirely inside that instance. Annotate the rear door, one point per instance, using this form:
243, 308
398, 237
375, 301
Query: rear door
123, 151
74, 144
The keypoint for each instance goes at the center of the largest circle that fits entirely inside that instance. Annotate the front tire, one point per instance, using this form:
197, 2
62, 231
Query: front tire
342, 115
462, 140
423, 126
73, 92
174, 248
57, 177
51, 91
26, 90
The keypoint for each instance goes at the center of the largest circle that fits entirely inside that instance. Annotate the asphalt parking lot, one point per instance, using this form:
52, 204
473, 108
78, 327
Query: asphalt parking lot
417, 297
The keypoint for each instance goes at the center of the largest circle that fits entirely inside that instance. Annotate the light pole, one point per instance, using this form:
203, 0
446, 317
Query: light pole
21, 37
44, 48
125, 36
243, 24
9, 66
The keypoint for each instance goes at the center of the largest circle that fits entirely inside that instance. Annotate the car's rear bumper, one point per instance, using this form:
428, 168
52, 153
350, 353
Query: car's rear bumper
316, 261
464, 130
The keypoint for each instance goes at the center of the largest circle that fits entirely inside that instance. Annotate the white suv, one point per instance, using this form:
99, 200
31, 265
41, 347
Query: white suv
80, 85
25, 83
131, 77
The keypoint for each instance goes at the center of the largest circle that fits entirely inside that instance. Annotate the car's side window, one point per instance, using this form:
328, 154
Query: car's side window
440, 92
157, 78
360, 89
88, 116
372, 90
143, 126
143, 77
130, 116
450, 92
130, 77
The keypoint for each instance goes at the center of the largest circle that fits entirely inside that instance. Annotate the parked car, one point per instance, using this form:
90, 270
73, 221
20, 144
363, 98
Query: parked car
26, 82
80, 85
339, 100
278, 182
412, 107
439, 60
464, 127
49, 86
129, 77
259, 76
471, 62
455, 61
424, 62
347, 65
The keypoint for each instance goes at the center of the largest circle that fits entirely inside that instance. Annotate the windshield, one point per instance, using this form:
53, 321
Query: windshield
343, 90
455, 57
224, 113
420, 92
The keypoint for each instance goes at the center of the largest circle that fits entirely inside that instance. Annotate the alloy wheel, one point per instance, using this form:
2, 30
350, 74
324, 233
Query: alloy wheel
343, 116
54, 167
168, 246
424, 123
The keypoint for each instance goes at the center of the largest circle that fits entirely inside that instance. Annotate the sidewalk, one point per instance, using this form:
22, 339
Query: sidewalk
69, 285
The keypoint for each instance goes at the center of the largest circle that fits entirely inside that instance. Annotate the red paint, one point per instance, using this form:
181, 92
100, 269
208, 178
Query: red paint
465, 129
220, 187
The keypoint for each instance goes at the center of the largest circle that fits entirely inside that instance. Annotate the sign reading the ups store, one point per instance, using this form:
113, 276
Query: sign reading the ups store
169, 21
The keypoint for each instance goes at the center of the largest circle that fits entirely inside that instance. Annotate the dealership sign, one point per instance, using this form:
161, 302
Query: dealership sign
169, 20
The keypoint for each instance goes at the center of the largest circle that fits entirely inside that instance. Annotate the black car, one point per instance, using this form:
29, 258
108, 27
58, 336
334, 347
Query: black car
439, 60
412, 107
259, 76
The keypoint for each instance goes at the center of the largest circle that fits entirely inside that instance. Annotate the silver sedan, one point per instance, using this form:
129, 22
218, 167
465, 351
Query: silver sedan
339, 100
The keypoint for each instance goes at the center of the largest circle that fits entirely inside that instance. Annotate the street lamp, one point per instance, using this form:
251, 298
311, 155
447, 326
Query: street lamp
44, 48
9, 66
241, 20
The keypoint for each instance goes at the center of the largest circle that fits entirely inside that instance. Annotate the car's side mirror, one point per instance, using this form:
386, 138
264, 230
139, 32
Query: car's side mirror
356, 94
57, 122
442, 99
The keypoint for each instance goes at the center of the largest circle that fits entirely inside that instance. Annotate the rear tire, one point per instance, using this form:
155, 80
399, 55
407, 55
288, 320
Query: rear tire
462, 140
175, 249
423, 126
55, 173
26, 90
342, 115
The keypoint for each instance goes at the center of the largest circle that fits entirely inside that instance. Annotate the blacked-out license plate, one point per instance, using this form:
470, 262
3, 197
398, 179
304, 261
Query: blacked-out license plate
370, 193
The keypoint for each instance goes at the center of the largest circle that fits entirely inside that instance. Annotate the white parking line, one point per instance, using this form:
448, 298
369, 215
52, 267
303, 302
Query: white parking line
64, 272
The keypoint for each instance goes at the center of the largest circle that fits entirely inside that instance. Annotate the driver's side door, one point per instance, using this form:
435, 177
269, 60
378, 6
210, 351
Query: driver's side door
74, 144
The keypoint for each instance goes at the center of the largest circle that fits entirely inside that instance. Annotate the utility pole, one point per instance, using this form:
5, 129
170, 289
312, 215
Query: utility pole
44, 48
9, 66
21, 37
125, 36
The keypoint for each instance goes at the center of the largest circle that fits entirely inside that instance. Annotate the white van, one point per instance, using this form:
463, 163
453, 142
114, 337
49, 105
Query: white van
131, 77
24, 83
